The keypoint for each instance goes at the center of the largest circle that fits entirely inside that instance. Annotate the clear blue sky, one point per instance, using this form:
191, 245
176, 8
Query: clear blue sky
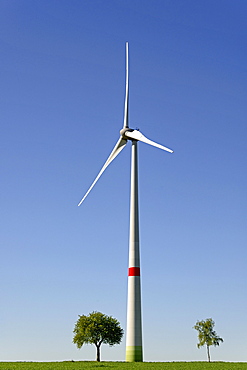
62, 69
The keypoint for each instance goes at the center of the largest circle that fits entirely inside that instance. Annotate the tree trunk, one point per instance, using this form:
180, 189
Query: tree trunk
208, 354
98, 352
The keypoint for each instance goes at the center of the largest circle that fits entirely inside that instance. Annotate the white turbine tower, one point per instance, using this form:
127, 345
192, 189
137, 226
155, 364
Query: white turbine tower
134, 322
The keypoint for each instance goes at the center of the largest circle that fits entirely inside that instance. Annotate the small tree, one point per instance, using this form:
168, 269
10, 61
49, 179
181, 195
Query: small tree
206, 334
97, 328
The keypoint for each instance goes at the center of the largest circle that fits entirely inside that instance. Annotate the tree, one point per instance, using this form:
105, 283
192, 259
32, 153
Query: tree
97, 328
206, 334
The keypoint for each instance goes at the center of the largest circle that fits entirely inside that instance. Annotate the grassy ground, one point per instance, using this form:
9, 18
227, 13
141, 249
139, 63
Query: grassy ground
84, 365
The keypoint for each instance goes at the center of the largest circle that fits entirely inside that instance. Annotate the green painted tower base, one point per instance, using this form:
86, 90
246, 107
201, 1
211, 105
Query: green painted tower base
134, 354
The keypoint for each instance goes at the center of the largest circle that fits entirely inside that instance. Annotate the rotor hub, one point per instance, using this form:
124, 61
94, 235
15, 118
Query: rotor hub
122, 132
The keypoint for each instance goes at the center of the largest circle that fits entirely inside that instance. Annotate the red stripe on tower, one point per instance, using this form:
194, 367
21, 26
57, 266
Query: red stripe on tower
134, 271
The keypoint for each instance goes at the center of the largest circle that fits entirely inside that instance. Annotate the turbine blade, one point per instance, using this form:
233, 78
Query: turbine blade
117, 149
137, 135
126, 103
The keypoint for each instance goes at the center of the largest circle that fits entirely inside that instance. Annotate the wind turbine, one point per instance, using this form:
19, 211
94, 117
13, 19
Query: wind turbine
134, 323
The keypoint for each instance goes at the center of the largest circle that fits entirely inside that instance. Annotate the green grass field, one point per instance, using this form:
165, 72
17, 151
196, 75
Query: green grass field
78, 365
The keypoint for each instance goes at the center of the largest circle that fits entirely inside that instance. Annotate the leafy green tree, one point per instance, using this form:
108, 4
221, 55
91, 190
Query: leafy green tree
206, 334
97, 328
